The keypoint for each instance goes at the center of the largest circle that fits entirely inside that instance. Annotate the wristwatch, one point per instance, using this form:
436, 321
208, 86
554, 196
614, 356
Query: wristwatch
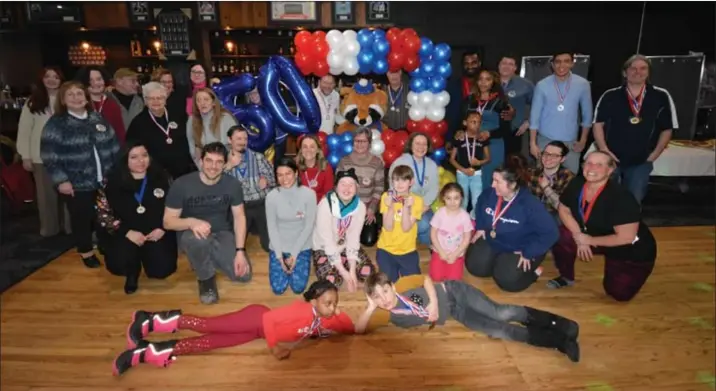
240, 249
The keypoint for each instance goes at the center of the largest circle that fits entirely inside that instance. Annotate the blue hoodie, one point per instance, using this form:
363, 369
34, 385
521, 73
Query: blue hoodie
526, 226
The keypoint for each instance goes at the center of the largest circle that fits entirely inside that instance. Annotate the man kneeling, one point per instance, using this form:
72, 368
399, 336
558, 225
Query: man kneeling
416, 301
201, 206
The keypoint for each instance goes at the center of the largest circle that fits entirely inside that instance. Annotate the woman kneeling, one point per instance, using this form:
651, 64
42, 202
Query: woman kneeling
514, 231
283, 329
337, 253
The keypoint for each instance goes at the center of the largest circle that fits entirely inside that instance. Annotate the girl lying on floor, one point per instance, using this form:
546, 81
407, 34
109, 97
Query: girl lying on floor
282, 328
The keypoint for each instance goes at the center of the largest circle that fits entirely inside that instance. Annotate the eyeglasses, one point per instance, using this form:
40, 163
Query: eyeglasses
551, 155
359, 141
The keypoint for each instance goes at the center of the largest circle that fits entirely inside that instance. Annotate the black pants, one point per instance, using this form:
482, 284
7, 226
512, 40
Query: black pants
158, 258
83, 219
513, 144
255, 212
481, 260
369, 233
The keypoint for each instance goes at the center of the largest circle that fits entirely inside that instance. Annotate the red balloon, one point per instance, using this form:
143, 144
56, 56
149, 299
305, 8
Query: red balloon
321, 68
426, 126
437, 141
395, 60
399, 139
441, 127
409, 33
411, 63
387, 136
389, 156
411, 44
412, 126
319, 35
392, 35
303, 40
303, 62
322, 136
320, 49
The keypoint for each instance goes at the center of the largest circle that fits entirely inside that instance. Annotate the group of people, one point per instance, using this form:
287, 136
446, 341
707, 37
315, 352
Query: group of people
186, 180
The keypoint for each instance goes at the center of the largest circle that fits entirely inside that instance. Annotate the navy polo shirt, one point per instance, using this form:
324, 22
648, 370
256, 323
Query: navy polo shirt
519, 91
633, 143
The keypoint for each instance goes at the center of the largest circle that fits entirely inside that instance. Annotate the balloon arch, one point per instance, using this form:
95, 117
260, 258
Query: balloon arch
368, 51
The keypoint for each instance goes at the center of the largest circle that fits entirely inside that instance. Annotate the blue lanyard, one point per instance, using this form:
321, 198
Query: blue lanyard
139, 196
247, 167
421, 179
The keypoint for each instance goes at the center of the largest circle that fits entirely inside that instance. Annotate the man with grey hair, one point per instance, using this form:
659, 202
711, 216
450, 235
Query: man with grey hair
634, 123
161, 132
126, 88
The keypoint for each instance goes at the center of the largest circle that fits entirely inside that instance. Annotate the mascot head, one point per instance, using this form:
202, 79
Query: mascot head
362, 106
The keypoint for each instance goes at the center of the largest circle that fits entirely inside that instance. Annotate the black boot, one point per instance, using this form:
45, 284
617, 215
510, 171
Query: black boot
547, 338
131, 284
144, 322
208, 292
156, 353
91, 262
548, 320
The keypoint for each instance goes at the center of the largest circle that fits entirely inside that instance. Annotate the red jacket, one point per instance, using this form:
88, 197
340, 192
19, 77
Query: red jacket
293, 322
110, 110
324, 180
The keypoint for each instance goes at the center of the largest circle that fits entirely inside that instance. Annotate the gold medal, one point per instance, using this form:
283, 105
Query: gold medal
493, 234
635, 120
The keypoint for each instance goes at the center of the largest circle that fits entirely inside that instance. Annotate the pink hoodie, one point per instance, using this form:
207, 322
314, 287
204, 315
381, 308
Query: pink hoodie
189, 100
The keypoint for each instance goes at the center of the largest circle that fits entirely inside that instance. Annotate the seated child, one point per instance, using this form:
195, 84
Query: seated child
282, 328
450, 235
416, 301
397, 253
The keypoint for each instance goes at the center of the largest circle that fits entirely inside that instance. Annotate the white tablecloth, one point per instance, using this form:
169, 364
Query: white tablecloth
683, 161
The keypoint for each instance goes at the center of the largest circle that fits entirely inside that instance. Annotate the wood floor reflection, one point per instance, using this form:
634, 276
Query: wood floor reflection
62, 327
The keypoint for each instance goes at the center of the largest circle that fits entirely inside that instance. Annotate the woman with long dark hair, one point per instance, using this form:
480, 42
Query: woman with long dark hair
35, 114
79, 148
136, 191
283, 328
95, 79
514, 231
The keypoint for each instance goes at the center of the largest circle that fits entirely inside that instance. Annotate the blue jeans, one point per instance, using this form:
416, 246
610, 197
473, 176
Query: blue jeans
472, 187
396, 266
635, 179
298, 279
424, 228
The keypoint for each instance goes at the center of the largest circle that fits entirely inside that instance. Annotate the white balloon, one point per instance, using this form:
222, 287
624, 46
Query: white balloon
436, 114
375, 134
335, 60
416, 113
413, 98
335, 39
350, 66
425, 99
377, 147
351, 48
442, 98
350, 35
335, 71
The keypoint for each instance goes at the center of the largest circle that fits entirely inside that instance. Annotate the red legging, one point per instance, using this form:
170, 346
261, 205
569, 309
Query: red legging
234, 328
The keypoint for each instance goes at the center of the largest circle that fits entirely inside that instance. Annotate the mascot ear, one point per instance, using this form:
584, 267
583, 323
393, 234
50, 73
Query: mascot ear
382, 99
345, 91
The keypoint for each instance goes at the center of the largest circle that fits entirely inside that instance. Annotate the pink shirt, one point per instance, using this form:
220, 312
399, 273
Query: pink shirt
451, 228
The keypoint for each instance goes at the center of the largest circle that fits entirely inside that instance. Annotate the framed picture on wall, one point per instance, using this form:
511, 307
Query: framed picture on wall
139, 12
343, 12
378, 12
293, 12
207, 11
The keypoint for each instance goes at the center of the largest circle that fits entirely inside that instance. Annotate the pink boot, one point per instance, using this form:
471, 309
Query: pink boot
144, 322
155, 353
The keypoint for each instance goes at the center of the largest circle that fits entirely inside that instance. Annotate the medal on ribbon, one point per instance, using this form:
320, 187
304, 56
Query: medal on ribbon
470, 151
343, 225
395, 99
635, 104
585, 207
169, 126
561, 96
499, 212
140, 195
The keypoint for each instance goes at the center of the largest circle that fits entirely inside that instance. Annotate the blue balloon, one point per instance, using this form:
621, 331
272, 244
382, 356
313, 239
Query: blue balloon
418, 84
444, 70
333, 141
380, 66
426, 47
416, 73
347, 138
439, 155
381, 47
281, 69
379, 34
437, 84
365, 57
428, 68
365, 39
426, 57
442, 52
235, 85
333, 159
346, 149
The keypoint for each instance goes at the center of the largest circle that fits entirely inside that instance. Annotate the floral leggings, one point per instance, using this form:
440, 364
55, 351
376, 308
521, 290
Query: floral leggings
326, 271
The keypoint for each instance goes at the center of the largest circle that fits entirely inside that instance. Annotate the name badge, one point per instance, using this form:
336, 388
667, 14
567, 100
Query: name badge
173, 125
101, 128
512, 94
158, 193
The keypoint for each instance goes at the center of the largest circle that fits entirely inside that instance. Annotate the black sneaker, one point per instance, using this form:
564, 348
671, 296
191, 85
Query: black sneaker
208, 292
91, 262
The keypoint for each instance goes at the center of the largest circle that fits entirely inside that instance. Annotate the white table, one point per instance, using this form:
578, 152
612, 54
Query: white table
679, 161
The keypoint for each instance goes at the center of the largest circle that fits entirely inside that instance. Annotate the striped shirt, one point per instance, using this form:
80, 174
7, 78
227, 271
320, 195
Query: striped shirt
398, 100
253, 166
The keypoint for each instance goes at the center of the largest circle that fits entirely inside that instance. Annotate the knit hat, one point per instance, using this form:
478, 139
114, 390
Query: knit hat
349, 173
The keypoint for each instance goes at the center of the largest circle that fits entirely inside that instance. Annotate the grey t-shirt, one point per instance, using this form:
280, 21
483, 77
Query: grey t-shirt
209, 203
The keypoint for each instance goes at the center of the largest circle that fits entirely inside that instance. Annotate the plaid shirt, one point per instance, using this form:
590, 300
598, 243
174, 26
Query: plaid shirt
254, 166
558, 182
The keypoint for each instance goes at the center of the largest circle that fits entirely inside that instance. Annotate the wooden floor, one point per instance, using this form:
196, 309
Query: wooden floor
62, 327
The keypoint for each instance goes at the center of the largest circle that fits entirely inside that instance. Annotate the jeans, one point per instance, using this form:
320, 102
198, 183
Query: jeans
472, 187
635, 178
424, 227
396, 266
218, 251
471, 307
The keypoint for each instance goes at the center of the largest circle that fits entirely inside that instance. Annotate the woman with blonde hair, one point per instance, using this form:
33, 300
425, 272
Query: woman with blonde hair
209, 122
313, 168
